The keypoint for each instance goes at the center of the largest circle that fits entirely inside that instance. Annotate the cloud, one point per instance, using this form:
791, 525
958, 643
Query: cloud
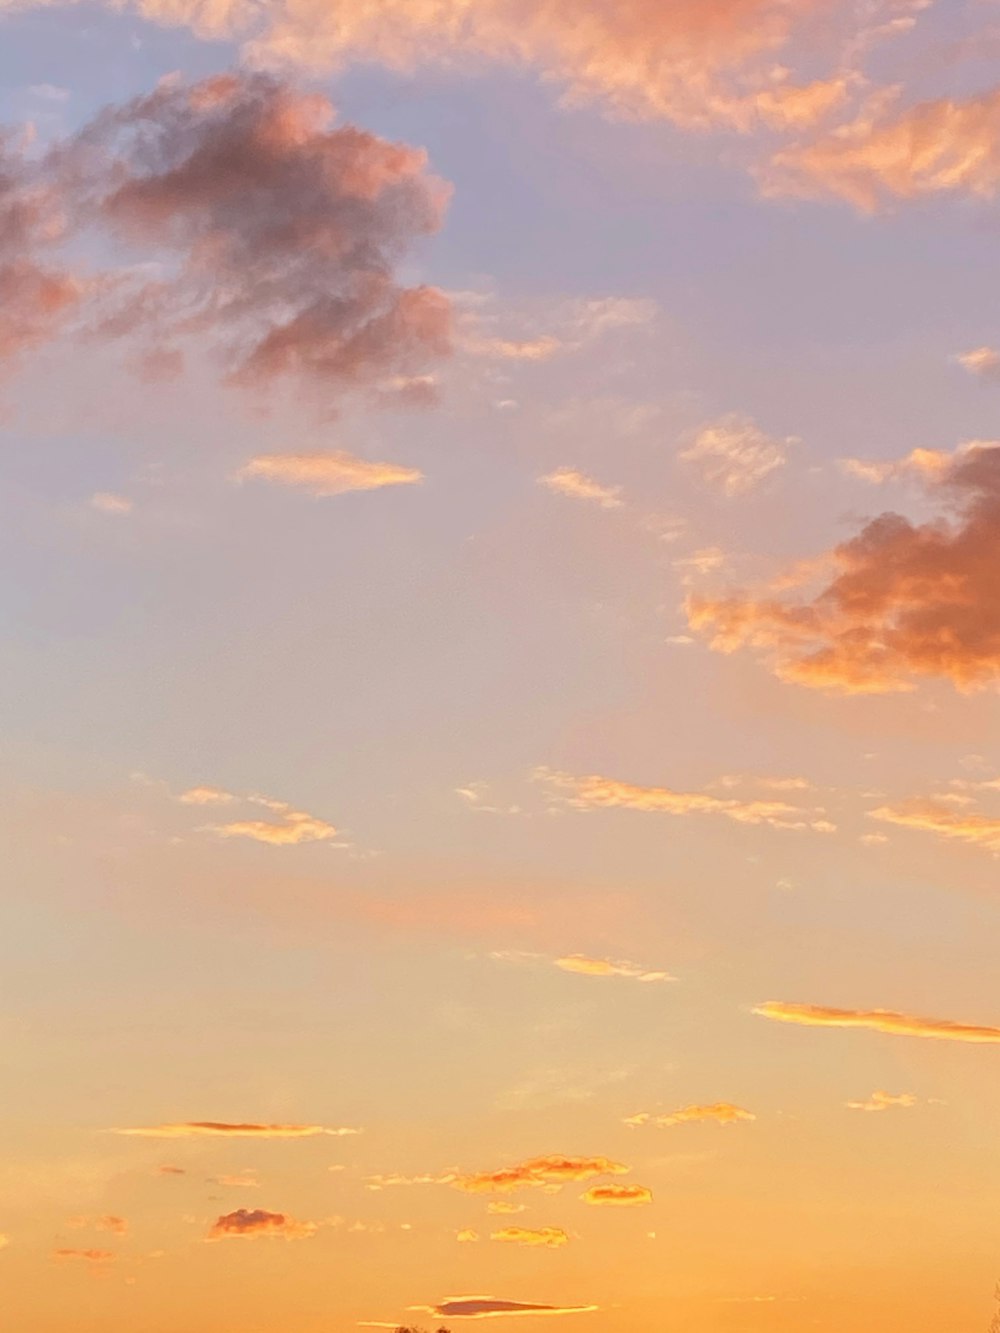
735, 455
294, 827
329, 473
501, 1207
552, 1238
206, 796
566, 481
935, 147
599, 793
108, 503
467, 1237
981, 361
931, 816
170, 1170
696, 62
223, 1129
883, 1101
878, 1020
928, 464
486, 1307
617, 1196
252, 1224
539, 1171
115, 1226
246, 1181
719, 1113
274, 238
906, 601
604, 967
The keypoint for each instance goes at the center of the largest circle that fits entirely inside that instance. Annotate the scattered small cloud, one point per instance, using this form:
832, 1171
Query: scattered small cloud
577, 486
326, 474
109, 503
595, 792
606, 967
617, 1196
255, 1223
981, 361
539, 1171
734, 455
552, 1238
225, 1129
883, 1101
719, 1113
878, 1020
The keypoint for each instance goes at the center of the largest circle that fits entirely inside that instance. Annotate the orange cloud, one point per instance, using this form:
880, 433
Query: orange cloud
539, 1171
617, 1196
595, 792
252, 1224
488, 1307
719, 1113
296, 826
206, 796
878, 1020
907, 601
330, 473
604, 967
567, 481
883, 1101
552, 1238
224, 1129
501, 1206
695, 62
933, 817
981, 361
96, 1257
735, 455
935, 147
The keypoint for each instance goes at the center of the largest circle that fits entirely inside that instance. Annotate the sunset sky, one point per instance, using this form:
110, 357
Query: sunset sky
499, 645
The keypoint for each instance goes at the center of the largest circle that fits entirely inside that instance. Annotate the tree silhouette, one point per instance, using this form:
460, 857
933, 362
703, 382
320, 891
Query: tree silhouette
995, 1321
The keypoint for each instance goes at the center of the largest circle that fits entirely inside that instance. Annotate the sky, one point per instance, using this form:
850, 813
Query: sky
499, 645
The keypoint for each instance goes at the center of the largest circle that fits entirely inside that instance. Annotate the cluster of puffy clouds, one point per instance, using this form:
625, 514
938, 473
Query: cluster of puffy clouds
247, 223
791, 67
905, 601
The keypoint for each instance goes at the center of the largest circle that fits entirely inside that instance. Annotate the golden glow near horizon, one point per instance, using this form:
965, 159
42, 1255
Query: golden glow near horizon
500, 506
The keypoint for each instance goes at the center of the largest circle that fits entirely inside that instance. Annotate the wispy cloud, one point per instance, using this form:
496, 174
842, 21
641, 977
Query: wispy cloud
719, 1113
617, 1196
735, 455
539, 1171
595, 793
552, 1238
225, 1129
585, 966
883, 1101
577, 486
878, 1020
936, 817
326, 474
487, 1307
